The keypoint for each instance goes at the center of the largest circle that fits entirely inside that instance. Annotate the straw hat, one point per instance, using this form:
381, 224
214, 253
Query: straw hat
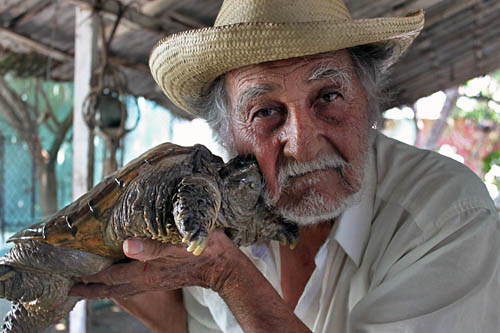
248, 32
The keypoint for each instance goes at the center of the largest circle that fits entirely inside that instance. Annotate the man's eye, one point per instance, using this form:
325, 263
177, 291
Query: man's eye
329, 97
265, 112
268, 118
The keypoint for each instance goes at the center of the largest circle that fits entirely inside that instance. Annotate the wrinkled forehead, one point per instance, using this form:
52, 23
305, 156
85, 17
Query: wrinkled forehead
276, 70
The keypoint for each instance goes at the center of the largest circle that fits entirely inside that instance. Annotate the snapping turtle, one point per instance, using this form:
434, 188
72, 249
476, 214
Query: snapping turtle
170, 193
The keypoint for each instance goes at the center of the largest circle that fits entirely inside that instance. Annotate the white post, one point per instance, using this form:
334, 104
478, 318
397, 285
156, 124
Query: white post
85, 56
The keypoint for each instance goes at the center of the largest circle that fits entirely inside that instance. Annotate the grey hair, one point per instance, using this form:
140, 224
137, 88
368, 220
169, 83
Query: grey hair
371, 64
334, 74
213, 106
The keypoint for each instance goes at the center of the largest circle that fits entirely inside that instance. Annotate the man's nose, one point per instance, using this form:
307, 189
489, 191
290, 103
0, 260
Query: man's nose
302, 136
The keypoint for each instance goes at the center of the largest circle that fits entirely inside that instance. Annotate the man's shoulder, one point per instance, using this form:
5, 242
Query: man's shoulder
426, 184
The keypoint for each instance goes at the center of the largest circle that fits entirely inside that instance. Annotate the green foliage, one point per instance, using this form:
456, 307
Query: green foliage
496, 75
481, 113
490, 160
59, 97
22, 65
42, 118
481, 90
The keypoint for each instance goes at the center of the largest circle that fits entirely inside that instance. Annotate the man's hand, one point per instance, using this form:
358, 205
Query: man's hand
148, 287
160, 266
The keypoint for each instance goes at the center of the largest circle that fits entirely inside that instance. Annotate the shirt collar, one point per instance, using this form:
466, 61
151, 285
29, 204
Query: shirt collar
353, 226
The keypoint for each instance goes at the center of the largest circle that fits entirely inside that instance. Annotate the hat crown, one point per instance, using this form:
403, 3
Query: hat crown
281, 11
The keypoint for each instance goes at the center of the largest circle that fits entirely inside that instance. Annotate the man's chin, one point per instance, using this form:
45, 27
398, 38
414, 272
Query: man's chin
309, 220
315, 209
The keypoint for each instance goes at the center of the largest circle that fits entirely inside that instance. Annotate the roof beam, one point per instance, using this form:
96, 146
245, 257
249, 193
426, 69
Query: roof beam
152, 8
36, 46
135, 17
413, 6
63, 56
186, 20
453, 10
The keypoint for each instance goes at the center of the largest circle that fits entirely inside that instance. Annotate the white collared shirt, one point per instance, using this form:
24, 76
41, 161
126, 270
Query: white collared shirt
419, 253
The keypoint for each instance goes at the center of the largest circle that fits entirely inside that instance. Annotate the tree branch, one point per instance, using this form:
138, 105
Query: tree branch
7, 110
413, 107
13, 108
438, 126
22, 110
37, 105
482, 98
60, 135
48, 118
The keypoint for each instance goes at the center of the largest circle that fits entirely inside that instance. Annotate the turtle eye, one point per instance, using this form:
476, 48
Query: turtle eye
244, 160
242, 183
246, 183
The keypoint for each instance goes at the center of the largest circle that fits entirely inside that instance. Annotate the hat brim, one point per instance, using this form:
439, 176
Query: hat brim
185, 64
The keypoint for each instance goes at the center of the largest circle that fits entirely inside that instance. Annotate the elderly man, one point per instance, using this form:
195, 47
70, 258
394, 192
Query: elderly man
392, 238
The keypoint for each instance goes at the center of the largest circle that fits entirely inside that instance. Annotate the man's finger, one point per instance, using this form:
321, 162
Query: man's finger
90, 291
99, 291
116, 274
148, 249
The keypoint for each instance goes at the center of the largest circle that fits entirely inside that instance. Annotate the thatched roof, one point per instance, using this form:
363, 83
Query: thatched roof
461, 38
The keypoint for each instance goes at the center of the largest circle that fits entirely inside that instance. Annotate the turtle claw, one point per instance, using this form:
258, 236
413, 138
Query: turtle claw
201, 246
187, 237
192, 245
197, 246
288, 235
288, 240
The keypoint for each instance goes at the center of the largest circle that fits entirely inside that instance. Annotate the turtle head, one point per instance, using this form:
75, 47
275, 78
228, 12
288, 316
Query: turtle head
243, 181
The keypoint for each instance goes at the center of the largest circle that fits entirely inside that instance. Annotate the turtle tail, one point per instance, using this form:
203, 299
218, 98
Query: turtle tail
22, 320
18, 320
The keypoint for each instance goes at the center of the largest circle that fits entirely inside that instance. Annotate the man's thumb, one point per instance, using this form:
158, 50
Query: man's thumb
140, 249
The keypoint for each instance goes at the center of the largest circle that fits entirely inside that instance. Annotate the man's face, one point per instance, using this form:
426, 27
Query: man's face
306, 121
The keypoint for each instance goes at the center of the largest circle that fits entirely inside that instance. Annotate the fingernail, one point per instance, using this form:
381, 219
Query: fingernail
133, 246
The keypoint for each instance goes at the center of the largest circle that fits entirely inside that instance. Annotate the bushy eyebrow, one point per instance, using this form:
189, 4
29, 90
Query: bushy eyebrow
323, 71
333, 73
250, 93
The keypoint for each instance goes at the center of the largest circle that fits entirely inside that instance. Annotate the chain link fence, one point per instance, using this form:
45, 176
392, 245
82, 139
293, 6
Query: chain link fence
18, 192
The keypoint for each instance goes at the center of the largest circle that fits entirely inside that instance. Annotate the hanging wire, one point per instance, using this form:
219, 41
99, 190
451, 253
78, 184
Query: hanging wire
52, 38
108, 85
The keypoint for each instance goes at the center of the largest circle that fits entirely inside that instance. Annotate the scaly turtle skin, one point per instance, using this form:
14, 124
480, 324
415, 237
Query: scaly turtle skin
170, 193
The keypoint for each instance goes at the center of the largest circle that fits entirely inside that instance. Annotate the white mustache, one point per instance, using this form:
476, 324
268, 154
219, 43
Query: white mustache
293, 168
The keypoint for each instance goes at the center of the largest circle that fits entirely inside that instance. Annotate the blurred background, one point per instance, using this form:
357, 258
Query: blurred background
446, 98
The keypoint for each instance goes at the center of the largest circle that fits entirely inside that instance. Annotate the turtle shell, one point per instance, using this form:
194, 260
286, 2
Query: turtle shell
83, 224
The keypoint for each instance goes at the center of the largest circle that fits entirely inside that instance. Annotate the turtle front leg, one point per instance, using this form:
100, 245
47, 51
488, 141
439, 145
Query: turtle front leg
264, 225
18, 285
196, 207
147, 208
11, 283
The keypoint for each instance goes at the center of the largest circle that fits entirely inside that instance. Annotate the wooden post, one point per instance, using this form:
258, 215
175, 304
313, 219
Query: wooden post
2, 188
86, 30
